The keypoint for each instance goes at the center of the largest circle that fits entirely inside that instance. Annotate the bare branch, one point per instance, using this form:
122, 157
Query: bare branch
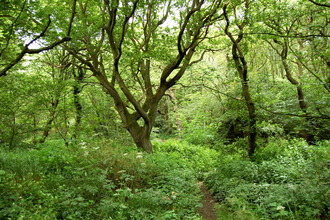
163, 19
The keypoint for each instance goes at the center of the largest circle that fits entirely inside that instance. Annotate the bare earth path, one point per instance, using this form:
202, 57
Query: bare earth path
207, 211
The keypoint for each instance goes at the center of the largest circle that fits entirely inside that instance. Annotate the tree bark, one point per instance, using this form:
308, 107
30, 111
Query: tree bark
141, 137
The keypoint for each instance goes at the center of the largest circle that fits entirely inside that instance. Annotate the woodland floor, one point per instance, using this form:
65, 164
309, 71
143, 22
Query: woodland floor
207, 211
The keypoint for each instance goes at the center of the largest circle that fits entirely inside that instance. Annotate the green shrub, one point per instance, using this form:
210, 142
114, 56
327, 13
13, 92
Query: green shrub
201, 159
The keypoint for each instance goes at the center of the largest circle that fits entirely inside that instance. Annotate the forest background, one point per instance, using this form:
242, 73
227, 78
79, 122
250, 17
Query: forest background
115, 109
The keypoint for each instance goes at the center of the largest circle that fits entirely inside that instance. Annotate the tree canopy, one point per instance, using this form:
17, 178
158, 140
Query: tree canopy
145, 61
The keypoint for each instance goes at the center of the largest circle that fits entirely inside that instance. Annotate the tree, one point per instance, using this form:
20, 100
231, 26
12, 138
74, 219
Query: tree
56, 65
124, 40
242, 68
278, 23
298, 33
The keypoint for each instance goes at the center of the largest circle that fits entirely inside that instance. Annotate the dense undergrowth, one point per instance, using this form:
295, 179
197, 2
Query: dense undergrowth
286, 180
102, 180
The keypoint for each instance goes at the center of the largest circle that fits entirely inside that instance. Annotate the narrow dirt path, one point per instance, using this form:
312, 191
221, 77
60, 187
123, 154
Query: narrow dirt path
207, 211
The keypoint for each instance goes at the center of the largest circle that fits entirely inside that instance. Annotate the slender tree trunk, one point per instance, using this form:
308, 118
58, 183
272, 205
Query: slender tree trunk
35, 129
272, 69
168, 115
299, 64
252, 120
301, 99
13, 132
77, 104
327, 74
242, 68
178, 122
50, 120
251, 109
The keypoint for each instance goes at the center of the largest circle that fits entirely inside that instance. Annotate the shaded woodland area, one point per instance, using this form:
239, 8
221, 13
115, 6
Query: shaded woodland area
116, 109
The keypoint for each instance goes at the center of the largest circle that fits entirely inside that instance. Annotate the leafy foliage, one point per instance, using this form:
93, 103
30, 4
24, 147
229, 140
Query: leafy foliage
288, 179
100, 180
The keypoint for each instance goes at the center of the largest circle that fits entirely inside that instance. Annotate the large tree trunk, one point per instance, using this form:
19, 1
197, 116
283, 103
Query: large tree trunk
141, 134
141, 137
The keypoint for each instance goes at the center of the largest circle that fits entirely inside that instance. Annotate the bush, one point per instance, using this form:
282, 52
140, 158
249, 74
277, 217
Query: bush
199, 158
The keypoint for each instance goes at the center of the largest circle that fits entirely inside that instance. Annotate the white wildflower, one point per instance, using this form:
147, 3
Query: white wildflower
125, 154
138, 156
83, 145
280, 207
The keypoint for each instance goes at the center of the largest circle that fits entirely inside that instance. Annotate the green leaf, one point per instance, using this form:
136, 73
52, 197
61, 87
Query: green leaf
123, 206
80, 199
